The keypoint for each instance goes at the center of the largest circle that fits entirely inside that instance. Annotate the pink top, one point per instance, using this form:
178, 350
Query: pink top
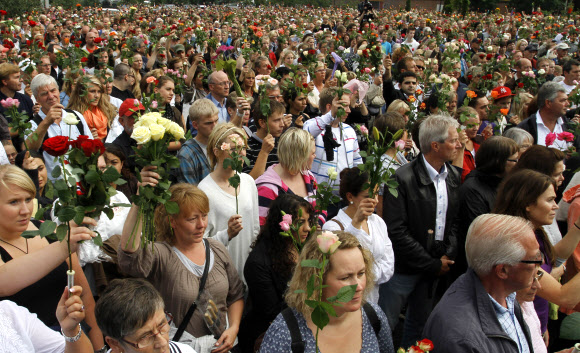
531, 318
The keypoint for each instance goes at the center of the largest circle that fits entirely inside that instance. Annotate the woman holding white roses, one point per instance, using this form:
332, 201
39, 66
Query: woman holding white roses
358, 218
352, 329
236, 230
165, 88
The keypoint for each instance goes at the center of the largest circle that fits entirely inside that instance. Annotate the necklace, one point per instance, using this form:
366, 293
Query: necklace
26, 252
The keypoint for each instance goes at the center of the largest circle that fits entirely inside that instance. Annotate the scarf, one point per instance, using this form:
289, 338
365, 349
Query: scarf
96, 119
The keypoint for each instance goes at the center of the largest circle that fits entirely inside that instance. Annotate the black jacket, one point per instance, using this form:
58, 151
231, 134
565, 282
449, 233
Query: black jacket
410, 218
530, 125
476, 197
464, 321
390, 93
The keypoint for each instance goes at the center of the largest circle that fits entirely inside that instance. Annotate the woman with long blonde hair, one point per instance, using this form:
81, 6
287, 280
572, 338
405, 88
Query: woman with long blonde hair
89, 97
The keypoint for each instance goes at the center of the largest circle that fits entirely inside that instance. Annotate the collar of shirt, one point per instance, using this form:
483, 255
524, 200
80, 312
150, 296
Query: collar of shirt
433, 174
215, 101
510, 302
540, 121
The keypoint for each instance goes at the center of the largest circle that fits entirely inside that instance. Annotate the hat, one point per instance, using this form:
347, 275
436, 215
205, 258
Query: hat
307, 32
178, 47
563, 46
532, 47
130, 106
502, 92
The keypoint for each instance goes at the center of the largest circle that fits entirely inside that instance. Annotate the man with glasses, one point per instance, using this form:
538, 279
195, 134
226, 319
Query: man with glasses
479, 312
123, 80
219, 88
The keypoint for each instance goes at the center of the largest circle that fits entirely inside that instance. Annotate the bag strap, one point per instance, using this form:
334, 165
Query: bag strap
80, 125
373, 318
298, 345
339, 224
193, 306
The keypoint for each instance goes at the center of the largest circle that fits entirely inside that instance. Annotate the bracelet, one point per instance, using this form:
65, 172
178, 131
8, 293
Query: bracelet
575, 225
102, 350
72, 339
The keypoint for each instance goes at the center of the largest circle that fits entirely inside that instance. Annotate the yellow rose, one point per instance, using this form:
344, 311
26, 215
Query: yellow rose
176, 131
157, 132
147, 119
164, 122
141, 134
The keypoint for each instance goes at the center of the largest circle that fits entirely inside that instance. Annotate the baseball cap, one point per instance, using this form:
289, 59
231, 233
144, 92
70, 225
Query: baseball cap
130, 106
563, 46
502, 92
532, 47
178, 47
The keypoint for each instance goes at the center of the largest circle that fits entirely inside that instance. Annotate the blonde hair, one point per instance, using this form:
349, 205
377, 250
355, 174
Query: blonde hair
79, 100
202, 108
303, 274
294, 149
397, 105
12, 175
518, 108
189, 198
218, 136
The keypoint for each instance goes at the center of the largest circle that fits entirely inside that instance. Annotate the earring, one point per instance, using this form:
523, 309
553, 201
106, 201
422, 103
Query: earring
351, 202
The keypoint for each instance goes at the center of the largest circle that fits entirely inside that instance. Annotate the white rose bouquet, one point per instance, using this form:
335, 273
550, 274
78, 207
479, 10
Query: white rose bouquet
153, 134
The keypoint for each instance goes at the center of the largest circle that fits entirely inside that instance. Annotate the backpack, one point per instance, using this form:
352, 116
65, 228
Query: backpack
298, 344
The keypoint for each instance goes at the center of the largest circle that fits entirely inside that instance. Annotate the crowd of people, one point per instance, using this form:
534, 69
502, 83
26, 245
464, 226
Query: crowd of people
472, 243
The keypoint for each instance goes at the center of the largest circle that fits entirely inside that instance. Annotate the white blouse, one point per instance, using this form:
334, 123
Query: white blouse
377, 242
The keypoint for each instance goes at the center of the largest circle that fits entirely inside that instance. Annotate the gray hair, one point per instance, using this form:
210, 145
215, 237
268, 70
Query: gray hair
494, 239
40, 81
435, 129
548, 92
519, 135
125, 306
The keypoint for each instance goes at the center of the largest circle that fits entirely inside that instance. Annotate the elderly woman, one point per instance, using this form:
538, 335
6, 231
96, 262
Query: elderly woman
38, 290
270, 266
296, 152
236, 230
176, 262
358, 218
130, 315
351, 329
523, 139
531, 195
89, 98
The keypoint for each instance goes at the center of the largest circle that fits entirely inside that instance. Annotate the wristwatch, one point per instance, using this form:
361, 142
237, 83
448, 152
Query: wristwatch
72, 339
103, 350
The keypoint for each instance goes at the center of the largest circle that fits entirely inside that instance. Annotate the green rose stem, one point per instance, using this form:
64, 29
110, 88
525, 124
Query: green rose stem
320, 274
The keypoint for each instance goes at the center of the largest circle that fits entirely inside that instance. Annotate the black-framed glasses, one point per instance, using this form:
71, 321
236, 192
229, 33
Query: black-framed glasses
421, 67
535, 262
147, 341
538, 275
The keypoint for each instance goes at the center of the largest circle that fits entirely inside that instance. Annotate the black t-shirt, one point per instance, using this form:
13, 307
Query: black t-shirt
127, 143
122, 95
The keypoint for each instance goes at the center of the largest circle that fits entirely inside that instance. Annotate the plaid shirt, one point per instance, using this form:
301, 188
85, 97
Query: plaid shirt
193, 164
510, 324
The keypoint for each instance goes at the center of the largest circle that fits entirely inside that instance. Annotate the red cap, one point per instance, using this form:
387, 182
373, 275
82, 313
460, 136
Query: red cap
130, 106
502, 92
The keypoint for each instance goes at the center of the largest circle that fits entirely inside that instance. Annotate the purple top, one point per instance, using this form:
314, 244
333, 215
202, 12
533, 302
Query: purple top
542, 305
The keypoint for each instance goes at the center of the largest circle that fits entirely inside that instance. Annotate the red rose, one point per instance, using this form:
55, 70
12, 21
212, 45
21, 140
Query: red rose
269, 67
32, 23
299, 60
79, 141
520, 84
152, 28
24, 55
56, 146
91, 147
3, 12
84, 59
386, 26
403, 35
489, 76
98, 40
489, 56
28, 42
305, 85
140, 18
312, 52
470, 77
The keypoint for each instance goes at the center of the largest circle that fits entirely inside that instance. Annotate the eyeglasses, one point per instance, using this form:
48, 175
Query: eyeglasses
513, 160
535, 262
420, 67
225, 83
539, 275
147, 341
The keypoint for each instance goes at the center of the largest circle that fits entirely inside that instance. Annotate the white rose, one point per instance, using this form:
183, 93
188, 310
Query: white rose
157, 132
164, 122
359, 52
344, 78
146, 120
541, 71
438, 80
141, 134
176, 131
490, 48
332, 174
337, 73
347, 50
71, 119
305, 52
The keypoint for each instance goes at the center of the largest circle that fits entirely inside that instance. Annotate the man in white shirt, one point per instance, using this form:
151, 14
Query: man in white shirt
550, 117
410, 40
49, 120
571, 70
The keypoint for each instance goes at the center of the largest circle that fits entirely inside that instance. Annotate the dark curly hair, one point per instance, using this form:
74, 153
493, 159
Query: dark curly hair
278, 246
352, 180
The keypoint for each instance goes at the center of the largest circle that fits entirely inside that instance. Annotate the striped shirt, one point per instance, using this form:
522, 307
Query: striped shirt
254, 148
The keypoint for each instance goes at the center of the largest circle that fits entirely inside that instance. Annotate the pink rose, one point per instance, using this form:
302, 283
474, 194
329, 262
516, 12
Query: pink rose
150, 79
367, 70
9, 103
327, 242
287, 218
284, 226
225, 146
154, 104
566, 136
400, 145
550, 138
364, 130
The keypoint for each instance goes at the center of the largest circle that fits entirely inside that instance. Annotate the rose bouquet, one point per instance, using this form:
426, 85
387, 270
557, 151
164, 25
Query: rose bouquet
153, 134
20, 122
379, 174
235, 161
565, 137
82, 188
421, 346
328, 243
